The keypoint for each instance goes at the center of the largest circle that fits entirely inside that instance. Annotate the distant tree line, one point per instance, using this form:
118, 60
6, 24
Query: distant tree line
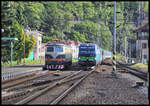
78, 21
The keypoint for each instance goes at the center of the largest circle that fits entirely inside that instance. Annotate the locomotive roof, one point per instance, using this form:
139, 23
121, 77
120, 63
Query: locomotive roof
87, 44
55, 43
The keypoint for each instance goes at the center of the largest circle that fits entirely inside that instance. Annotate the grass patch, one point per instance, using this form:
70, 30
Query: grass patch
74, 60
26, 62
140, 65
118, 56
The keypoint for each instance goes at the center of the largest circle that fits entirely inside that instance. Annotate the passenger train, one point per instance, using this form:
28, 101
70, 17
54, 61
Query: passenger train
58, 55
91, 54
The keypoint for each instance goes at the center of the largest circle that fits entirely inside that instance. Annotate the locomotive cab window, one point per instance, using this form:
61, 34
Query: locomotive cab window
50, 49
83, 49
59, 49
91, 48
87, 49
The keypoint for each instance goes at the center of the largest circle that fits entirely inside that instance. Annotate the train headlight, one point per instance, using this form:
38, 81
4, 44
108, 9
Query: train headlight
82, 58
91, 58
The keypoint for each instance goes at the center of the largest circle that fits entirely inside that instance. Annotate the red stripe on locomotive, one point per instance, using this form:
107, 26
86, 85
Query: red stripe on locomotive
55, 59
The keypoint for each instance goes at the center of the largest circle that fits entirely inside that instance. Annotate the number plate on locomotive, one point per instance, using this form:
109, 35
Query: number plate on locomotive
55, 66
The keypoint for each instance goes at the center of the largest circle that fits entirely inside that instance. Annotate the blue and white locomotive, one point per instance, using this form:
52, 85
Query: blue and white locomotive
91, 54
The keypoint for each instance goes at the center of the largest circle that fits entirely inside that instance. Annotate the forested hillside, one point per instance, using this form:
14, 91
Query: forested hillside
78, 21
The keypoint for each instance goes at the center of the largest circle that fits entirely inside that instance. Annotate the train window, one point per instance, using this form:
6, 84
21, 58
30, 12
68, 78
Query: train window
83, 51
50, 49
83, 47
91, 48
59, 49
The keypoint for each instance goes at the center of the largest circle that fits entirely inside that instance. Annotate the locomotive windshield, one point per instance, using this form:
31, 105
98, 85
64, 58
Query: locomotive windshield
59, 49
87, 49
54, 49
50, 49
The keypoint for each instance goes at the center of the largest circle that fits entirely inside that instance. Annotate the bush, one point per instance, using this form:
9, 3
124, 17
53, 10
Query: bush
27, 62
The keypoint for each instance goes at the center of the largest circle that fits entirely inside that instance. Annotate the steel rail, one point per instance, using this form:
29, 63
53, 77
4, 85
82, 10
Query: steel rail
39, 83
22, 81
19, 77
14, 95
30, 98
138, 73
58, 99
131, 68
7, 75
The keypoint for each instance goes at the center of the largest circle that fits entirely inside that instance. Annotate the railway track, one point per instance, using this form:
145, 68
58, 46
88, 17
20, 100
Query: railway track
67, 91
135, 72
18, 81
28, 88
11, 74
34, 84
46, 91
50, 86
21, 86
18, 78
35, 90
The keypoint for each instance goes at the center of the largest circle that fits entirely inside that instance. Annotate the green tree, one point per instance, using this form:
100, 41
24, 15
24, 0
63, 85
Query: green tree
24, 40
20, 17
146, 8
8, 21
33, 12
72, 20
78, 36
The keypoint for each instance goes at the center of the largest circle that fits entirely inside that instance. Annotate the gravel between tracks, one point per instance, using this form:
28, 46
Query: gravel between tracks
98, 88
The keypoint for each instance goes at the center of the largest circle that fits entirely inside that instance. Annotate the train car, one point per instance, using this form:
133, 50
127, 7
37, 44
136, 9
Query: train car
106, 54
58, 55
90, 54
